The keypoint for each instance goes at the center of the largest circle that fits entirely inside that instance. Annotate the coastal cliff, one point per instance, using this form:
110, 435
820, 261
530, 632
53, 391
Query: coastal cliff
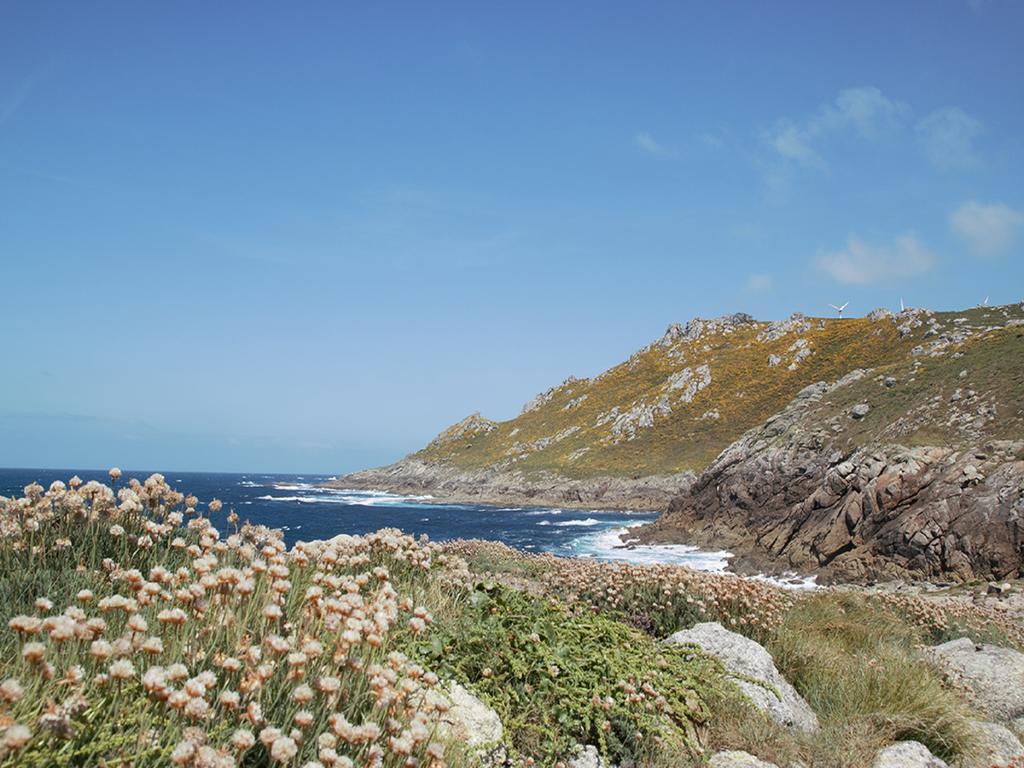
858, 449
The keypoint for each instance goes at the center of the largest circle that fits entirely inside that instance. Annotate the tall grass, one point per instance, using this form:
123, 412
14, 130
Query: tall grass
859, 667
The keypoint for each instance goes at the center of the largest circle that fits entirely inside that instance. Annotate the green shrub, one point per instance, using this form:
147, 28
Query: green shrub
558, 679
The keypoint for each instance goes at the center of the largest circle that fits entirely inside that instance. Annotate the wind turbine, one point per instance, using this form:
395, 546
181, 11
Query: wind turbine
840, 309
985, 302
902, 308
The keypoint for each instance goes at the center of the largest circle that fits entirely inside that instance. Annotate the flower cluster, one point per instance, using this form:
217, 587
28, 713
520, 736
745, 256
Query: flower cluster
658, 598
940, 618
206, 650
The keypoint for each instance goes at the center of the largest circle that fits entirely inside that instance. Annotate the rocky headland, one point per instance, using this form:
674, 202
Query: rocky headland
444, 481
863, 449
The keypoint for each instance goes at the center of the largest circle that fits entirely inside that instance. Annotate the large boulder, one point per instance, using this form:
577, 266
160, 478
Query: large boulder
993, 677
737, 759
756, 674
907, 754
997, 746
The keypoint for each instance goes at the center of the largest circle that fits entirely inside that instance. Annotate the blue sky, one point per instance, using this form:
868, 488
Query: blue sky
243, 236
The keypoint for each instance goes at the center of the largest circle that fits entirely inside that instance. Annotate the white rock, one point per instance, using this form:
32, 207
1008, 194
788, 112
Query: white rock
586, 757
744, 657
907, 754
737, 759
993, 676
468, 720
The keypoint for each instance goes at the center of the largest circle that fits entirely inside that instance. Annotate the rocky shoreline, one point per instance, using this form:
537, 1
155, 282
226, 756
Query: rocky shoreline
417, 477
786, 496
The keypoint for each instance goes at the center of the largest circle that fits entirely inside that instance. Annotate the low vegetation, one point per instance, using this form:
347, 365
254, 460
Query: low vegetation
138, 634
855, 657
858, 666
558, 680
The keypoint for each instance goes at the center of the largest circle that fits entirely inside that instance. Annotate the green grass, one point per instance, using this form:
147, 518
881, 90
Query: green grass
859, 667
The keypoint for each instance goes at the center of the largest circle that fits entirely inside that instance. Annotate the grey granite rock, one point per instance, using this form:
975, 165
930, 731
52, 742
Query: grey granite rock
860, 410
586, 757
907, 754
746, 659
469, 721
996, 746
737, 759
993, 676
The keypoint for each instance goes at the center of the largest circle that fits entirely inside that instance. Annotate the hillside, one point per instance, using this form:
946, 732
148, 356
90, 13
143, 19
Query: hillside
641, 431
855, 449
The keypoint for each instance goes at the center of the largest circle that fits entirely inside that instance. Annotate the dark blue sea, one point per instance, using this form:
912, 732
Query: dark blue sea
304, 511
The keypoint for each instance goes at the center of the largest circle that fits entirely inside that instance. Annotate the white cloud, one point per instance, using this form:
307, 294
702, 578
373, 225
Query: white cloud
794, 143
759, 283
989, 229
647, 143
865, 110
947, 136
860, 262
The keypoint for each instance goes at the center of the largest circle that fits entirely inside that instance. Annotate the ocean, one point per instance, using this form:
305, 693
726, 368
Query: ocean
304, 511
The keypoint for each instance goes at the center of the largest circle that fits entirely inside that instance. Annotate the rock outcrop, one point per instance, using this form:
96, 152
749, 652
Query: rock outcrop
755, 674
788, 496
470, 722
586, 757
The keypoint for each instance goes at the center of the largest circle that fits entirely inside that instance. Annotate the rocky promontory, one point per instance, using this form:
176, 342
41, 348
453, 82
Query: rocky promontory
413, 476
788, 496
858, 449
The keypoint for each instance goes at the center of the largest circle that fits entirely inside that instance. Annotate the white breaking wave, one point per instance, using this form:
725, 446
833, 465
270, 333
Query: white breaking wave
541, 512
351, 498
608, 545
789, 581
584, 523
